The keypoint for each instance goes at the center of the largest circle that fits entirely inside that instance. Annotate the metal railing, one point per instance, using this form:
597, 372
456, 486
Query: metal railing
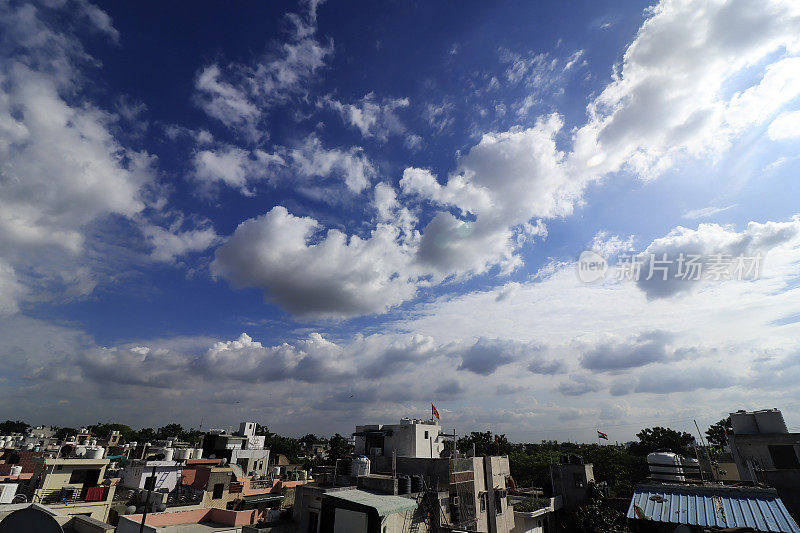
68, 495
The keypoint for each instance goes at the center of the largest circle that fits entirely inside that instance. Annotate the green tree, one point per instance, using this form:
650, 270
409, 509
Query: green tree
65, 433
103, 430
485, 443
13, 426
593, 517
617, 467
170, 431
145, 435
338, 448
659, 439
309, 439
717, 434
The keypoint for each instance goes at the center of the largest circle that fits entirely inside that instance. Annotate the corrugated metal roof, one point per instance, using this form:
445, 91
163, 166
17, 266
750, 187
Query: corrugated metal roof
760, 509
384, 504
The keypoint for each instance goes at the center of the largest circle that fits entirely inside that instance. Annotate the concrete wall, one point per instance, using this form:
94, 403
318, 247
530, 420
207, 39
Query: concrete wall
407, 440
168, 475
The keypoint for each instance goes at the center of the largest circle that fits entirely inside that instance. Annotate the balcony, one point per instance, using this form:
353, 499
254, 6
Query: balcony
68, 495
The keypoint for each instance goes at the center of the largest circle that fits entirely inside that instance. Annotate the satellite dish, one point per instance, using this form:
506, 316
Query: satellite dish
30, 520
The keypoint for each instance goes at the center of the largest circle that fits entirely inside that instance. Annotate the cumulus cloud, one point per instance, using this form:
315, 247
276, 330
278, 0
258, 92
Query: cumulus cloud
232, 166
685, 259
63, 168
580, 384
332, 275
785, 126
644, 349
668, 99
239, 95
312, 160
643, 121
173, 242
371, 117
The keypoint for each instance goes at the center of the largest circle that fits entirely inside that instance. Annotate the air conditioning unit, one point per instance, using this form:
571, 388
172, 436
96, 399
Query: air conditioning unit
455, 501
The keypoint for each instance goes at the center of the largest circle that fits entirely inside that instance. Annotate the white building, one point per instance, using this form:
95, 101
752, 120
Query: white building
139, 475
410, 438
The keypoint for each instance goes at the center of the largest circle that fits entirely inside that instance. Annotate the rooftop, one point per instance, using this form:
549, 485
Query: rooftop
727, 507
385, 505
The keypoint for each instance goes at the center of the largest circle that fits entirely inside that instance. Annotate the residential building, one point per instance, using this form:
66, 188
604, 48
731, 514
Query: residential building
151, 475
72, 486
28, 517
570, 479
244, 448
410, 438
765, 452
207, 520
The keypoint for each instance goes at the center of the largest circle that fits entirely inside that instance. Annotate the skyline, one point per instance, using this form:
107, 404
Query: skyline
315, 215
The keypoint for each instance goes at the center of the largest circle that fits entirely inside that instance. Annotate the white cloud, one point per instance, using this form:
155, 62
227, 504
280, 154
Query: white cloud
313, 160
785, 126
313, 274
240, 95
669, 97
371, 117
172, 243
233, 166
706, 212
63, 169
10, 290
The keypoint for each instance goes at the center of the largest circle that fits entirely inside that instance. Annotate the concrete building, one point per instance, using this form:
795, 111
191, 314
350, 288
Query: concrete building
72, 486
410, 438
570, 479
151, 475
244, 448
765, 452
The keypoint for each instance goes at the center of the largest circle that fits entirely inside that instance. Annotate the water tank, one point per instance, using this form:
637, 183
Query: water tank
16, 470
360, 466
95, 452
80, 451
197, 453
416, 483
169, 453
665, 466
404, 485
181, 454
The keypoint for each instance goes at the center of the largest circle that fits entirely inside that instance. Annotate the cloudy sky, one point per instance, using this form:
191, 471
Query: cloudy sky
315, 214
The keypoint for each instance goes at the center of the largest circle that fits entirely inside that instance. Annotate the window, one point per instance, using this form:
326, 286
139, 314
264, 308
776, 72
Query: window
218, 488
426, 435
783, 456
150, 483
578, 479
483, 502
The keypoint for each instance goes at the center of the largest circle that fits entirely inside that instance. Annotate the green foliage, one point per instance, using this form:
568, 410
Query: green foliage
531, 504
659, 439
485, 443
716, 433
338, 448
103, 430
309, 439
594, 518
13, 426
170, 431
65, 433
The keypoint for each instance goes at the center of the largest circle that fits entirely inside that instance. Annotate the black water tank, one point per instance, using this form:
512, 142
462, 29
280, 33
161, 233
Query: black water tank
404, 485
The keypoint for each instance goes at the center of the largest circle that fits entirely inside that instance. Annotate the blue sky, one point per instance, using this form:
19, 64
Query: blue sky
315, 214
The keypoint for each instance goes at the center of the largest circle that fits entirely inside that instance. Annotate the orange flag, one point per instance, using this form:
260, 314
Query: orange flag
435, 412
